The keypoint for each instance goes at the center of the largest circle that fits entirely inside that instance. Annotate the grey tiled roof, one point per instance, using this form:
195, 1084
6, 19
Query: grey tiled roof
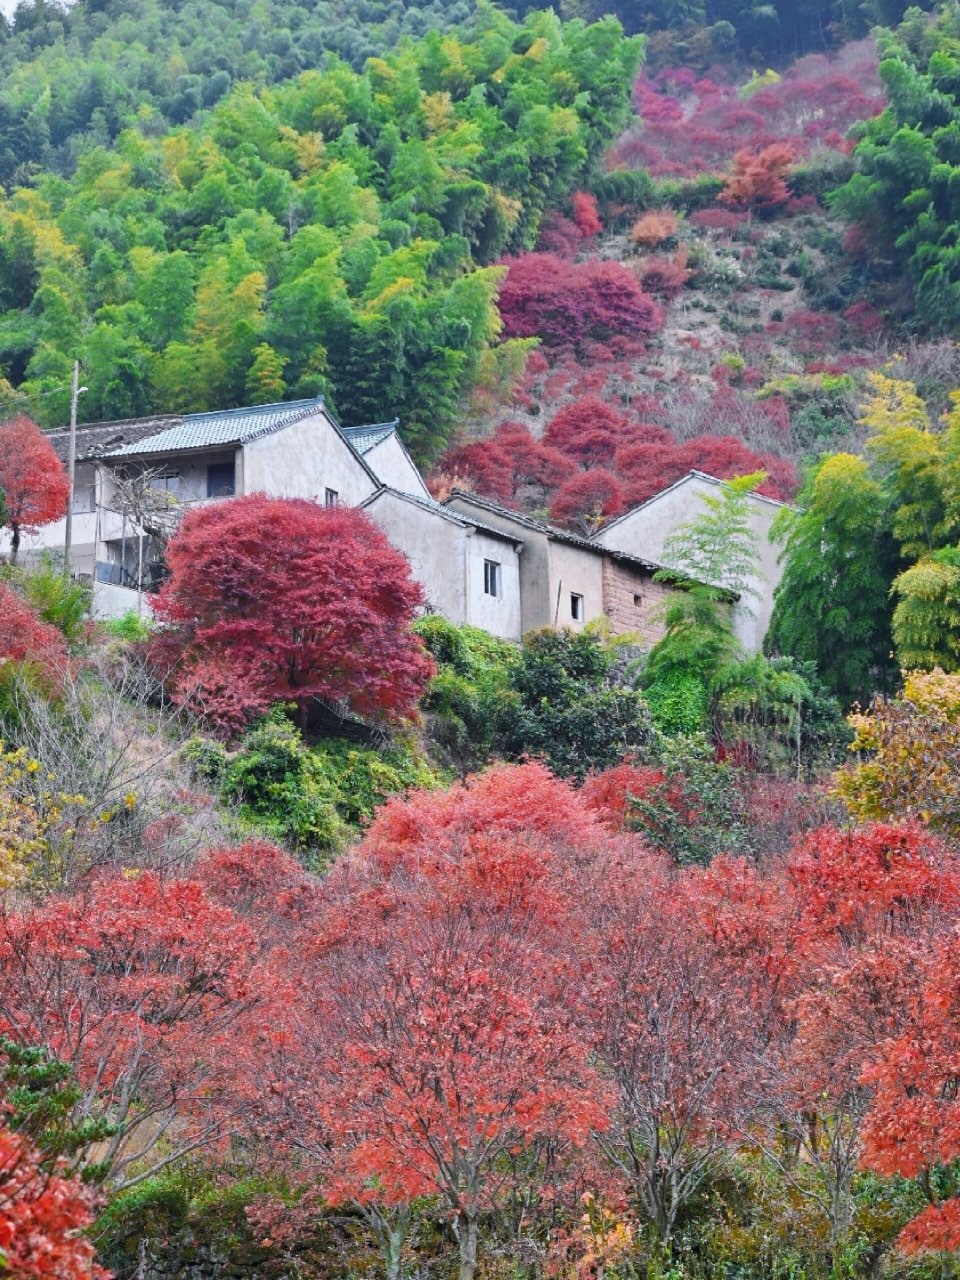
96, 438
363, 439
440, 509
219, 427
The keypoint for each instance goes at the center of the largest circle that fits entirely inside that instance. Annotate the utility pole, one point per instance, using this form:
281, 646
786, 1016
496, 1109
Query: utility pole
75, 392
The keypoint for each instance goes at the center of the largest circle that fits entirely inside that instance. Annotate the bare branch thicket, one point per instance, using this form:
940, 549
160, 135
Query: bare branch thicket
113, 739
153, 508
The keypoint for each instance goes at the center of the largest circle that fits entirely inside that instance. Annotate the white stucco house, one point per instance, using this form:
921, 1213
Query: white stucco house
468, 568
644, 531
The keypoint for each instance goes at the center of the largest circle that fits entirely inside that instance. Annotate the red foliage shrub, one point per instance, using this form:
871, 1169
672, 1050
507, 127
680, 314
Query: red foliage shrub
759, 180
588, 499
42, 1218
32, 479
814, 330
588, 430
585, 214
864, 319
560, 236
653, 228
26, 638
569, 303
275, 599
665, 278
725, 220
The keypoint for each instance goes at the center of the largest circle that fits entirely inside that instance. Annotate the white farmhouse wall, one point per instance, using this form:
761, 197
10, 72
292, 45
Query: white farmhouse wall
111, 602
500, 615
644, 531
435, 547
394, 467
304, 460
574, 570
446, 558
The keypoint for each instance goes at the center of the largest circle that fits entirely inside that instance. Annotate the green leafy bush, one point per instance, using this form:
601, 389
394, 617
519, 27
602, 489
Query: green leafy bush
564, 705
131, 627
283, 789
307, 797
473, 674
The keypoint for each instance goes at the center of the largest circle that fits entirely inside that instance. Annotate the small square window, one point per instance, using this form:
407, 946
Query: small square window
491, 578
331, 498
576, 607
638, 601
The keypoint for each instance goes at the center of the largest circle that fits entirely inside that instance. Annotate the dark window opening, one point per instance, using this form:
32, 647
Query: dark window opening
221, 480
576, 607
331, 498
491, 578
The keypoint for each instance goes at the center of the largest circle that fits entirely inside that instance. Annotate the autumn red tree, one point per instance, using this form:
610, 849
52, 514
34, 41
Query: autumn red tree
26, 639
42, 1218
674, 1031
588, 499
585, 214
272, 599
154, 994
441, 1038
588, 430
566, 303
758, 180
33, 483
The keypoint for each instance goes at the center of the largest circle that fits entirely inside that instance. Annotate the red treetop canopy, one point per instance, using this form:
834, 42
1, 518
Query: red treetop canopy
32, 479
273, 599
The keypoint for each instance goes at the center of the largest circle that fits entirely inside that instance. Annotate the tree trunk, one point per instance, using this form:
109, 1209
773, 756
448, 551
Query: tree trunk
14, 542
395, 1252
468, 1248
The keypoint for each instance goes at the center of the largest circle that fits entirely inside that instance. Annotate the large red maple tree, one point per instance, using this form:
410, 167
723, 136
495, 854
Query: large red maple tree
279, 599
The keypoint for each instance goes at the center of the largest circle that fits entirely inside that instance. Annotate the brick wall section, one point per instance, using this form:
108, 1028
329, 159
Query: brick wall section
631, 601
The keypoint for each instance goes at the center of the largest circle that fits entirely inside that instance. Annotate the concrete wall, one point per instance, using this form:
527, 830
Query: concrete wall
447, 558
644, 532
500, 615
394, 467
550, 571
574, 569
303, 461
115, 602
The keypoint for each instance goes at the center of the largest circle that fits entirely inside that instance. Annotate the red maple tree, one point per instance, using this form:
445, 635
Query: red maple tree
153, 993
588, 499
33, 482
42, 1218
279, 599
565, 303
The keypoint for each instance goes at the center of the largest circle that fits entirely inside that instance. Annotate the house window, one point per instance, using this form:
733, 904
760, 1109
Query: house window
331, 498
638, 601
221, 480
576, 607
169, 483
491, 578
84, 499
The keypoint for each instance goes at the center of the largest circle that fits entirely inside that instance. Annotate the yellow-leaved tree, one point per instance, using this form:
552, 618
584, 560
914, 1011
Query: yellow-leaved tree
909, 749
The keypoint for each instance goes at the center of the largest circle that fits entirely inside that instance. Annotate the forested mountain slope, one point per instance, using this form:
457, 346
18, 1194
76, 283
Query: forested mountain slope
328, 234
